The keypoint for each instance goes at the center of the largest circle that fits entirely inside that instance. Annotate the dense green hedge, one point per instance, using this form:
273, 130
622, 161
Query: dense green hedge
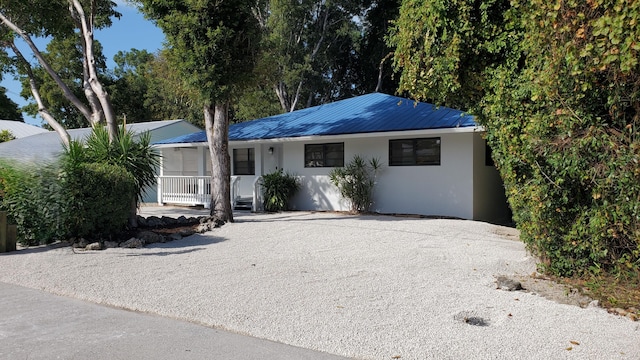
31, 196
49, 203
97, 199
557, 86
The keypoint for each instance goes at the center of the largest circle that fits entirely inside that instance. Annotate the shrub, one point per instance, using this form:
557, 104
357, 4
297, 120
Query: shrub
31, 196
97, 198
356, 181
277, 189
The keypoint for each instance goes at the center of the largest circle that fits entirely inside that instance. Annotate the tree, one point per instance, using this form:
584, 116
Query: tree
26, 19
8, 108
212, 44
307, 50
374, 60
64, 56
557, 86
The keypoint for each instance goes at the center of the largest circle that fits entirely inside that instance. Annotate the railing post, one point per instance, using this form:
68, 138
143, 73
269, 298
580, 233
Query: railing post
257, 202
160, 192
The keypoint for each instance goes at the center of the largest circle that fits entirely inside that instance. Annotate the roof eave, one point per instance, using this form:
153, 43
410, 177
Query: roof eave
403, 133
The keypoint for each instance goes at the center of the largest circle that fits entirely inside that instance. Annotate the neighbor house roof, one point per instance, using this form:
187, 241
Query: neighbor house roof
19, 129
370, 113
47, 146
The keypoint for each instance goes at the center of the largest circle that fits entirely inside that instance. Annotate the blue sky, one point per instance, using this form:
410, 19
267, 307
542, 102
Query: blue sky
132, 31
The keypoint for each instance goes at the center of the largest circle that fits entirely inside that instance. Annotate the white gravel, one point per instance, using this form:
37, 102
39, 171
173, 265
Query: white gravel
367, 287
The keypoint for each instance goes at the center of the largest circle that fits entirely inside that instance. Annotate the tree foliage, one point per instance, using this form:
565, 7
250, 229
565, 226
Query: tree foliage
212, 45
8, 108
25, 20
557, 86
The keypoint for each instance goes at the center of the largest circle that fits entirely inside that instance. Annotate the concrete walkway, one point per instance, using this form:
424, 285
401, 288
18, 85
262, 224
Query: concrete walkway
39, 325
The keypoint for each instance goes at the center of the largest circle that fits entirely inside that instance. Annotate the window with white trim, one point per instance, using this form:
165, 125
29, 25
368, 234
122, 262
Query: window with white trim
244, 161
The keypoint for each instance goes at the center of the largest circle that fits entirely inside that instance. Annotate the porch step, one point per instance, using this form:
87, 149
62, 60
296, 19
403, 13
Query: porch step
244, 203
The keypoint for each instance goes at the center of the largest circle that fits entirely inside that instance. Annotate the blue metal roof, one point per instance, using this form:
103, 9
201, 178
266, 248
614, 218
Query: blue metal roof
362, 114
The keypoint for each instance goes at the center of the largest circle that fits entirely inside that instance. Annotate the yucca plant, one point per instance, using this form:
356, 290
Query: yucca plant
356, 181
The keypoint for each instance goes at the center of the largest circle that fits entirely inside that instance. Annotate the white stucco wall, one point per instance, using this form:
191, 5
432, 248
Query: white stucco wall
461, 186
445, 190
489, 199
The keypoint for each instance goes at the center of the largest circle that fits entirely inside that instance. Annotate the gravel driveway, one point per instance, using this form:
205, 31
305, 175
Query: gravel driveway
367, 287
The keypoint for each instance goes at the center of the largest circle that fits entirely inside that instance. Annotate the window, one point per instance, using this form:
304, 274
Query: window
244, 162
411, 152
324, 155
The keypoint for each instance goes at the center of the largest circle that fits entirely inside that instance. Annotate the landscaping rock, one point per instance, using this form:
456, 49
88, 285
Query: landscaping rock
186, 232
110, 244
93, 246
209, 223
149, 237
175, 236
142, 221
168, 221
80, 243
504, 283
133, 243
154, 221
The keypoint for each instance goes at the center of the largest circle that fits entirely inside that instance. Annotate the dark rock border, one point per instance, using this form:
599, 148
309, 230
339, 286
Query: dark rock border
153, 229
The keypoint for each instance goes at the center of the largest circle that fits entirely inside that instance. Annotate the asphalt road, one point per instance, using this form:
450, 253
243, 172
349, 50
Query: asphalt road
39, 325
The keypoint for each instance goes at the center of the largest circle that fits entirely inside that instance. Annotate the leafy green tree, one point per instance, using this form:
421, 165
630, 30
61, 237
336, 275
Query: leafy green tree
130, 84
168, 97
307, 50
213, 48
60, 19
8, 108
65, 57
373, 64
556, 85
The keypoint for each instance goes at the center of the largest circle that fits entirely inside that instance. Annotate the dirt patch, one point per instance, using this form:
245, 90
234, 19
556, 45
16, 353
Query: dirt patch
560, 293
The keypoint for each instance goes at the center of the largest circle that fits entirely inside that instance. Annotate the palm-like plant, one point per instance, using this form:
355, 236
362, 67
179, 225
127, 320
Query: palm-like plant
135, 156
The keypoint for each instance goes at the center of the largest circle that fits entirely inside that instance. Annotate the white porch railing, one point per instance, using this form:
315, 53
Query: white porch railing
191, 190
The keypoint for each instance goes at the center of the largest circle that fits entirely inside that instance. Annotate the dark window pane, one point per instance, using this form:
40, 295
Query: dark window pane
324, 155
244, 161
409, 152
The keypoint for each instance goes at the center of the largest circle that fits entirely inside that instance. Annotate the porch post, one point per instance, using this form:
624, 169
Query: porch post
161, 170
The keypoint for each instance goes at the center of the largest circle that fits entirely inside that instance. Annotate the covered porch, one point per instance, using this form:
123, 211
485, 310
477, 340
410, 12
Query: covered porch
185, 174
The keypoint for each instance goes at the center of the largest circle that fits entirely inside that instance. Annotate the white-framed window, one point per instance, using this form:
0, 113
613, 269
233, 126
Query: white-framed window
244, 161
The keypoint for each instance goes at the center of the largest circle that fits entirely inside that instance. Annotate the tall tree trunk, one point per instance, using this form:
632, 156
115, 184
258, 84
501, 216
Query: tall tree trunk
216, 120
87, 36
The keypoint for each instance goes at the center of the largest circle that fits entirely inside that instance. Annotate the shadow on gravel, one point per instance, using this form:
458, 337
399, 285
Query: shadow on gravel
338, 216
167, 253
193, 240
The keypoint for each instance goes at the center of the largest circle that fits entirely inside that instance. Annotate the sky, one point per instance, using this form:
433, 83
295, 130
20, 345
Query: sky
131, 31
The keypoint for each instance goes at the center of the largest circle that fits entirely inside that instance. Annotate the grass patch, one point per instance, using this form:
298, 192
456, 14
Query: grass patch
614, 292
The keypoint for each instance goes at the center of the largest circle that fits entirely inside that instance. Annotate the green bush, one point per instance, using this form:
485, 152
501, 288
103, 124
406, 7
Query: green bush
356, 181
31, 196
277, 189
97, 199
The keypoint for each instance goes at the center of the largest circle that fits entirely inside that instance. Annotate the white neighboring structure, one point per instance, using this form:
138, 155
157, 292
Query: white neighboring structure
19, 129
435, 160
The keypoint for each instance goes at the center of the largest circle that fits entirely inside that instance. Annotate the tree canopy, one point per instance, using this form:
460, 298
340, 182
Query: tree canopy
556, 85
212, 45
